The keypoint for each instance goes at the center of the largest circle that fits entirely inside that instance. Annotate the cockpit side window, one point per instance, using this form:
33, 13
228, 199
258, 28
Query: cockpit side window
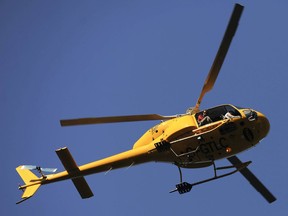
232, 110
218, 113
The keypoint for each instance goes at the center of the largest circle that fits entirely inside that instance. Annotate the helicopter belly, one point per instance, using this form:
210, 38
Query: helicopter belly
222, 140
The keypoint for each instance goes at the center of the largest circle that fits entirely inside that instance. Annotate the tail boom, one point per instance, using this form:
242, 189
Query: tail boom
76, 173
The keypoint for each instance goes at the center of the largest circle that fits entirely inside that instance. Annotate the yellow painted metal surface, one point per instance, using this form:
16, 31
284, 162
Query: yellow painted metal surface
190, 146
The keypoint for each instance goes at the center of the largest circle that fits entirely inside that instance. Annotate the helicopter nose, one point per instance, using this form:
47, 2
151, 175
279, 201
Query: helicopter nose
263, 125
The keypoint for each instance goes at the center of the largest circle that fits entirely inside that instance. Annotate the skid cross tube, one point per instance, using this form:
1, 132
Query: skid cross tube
185, 187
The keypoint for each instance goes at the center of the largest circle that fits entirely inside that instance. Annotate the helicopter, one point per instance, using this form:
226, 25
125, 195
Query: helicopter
195, 139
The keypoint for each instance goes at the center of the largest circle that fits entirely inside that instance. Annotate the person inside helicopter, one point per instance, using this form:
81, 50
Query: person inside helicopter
216, 114
230, 115
203, 118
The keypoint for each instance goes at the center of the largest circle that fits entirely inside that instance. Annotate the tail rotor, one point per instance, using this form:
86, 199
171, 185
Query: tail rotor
32, 182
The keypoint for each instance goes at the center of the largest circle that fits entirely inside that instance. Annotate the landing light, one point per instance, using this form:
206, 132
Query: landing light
228, 149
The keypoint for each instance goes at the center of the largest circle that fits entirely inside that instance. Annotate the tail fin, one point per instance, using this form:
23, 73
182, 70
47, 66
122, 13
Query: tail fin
32, 183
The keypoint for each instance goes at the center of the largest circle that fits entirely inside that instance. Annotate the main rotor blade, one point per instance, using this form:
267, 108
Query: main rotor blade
254, 181
221, 54
114, 119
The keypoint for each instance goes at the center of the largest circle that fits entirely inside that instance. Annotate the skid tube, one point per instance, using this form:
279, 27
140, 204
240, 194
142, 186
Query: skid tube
185, 187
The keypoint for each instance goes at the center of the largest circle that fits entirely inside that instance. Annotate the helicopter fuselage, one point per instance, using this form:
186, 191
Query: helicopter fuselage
191, 145
192, 140
183, 142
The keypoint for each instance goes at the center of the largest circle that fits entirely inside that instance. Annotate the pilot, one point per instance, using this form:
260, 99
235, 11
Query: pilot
203, 118
229, 115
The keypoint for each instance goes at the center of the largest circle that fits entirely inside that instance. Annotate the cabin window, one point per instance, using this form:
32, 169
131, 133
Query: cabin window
250, 114
217, 113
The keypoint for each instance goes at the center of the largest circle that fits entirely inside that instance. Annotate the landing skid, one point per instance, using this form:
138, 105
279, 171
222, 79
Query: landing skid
185, 187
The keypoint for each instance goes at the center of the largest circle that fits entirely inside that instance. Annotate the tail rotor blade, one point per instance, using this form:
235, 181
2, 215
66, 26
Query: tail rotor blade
49, 170
32, 167
253, 180
29, 167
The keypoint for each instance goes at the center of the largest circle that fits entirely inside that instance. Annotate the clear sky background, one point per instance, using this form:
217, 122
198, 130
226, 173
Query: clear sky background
70, 59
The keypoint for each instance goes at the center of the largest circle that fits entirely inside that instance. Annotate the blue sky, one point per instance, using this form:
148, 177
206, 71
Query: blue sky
69, 59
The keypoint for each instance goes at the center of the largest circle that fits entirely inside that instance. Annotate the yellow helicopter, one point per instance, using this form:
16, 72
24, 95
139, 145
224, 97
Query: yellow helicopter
195, 139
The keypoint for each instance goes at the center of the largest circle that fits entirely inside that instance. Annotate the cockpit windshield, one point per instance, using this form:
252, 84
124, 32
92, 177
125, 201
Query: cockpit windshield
216, 114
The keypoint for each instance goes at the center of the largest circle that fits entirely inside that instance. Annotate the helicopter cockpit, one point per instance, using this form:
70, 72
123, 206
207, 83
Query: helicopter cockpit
216, 114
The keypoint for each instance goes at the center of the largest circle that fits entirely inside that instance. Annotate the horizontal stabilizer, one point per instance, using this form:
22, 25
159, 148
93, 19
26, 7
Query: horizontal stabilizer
82, 187
73, 170
67, 160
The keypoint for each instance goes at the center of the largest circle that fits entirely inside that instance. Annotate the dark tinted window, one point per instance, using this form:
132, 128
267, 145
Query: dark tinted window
217, 113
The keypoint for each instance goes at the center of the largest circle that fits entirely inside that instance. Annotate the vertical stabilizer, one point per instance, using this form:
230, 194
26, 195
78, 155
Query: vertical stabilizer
32, 183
